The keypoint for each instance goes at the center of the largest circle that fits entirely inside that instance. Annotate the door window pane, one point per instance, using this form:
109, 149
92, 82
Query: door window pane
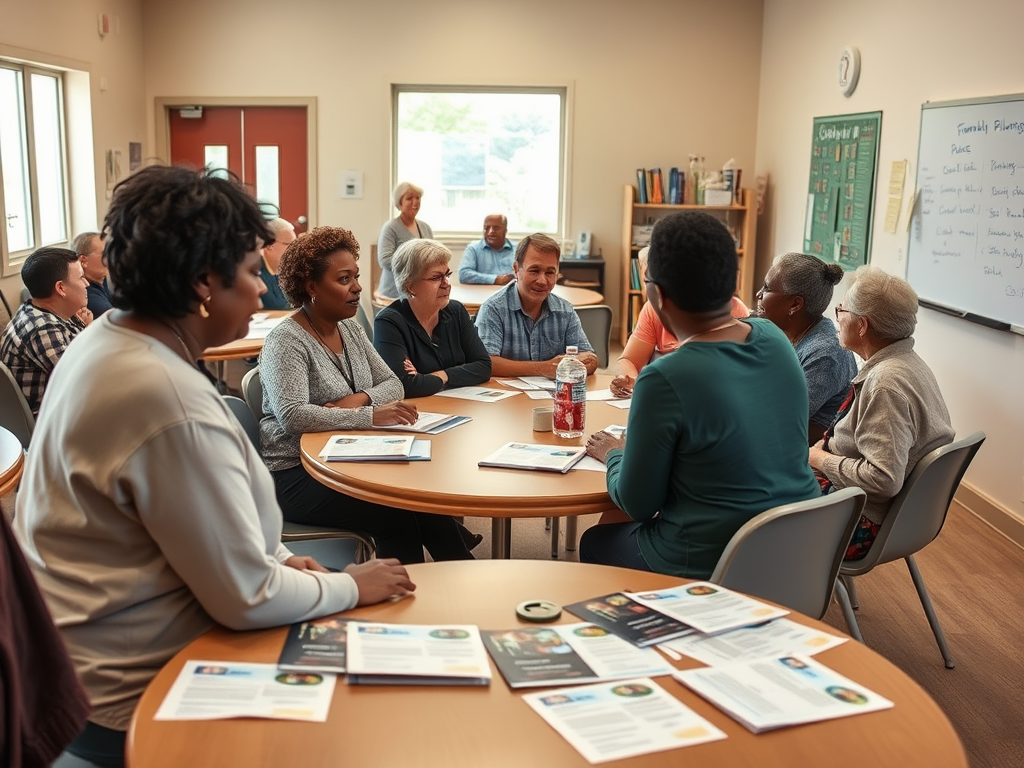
268, 187
17, 207
215, 158
476, 153
49, 158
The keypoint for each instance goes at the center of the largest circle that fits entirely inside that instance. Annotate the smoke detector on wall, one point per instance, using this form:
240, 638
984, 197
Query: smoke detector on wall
848, 71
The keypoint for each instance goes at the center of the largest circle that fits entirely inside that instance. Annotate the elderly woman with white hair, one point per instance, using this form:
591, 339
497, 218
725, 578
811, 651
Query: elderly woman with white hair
796, 292
895, 414
428, 340
401, 229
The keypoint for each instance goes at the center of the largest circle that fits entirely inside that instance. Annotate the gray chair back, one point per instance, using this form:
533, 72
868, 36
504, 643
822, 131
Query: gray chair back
25, 295
15, 415
919, 510
8, 314
791, 554
596, 320
244, 415
252, 391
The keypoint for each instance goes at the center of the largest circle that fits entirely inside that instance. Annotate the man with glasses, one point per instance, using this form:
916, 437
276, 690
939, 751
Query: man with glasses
489, 261
89, 247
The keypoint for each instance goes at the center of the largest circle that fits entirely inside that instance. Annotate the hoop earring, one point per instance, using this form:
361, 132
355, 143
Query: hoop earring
203, 311
312, 299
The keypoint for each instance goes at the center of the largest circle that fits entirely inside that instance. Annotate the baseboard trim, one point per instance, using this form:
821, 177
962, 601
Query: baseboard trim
997, 516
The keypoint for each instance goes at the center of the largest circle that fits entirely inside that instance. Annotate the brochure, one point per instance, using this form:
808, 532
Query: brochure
317, 646
547, 458
630, 620
621, 404
429, 423
515, 383
477, 394
612, 721
774, 693
528, 657
367, 448
772, 639
600, 394
707, 607
540, 394
416, 654
219, 690
538, 382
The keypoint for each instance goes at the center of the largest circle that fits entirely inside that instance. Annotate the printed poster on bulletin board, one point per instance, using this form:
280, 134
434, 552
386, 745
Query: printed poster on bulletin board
844, 159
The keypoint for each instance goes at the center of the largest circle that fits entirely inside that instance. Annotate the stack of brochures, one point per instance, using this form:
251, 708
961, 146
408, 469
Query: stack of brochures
373, 448
429, 423
530, 657
546, 458
416, 654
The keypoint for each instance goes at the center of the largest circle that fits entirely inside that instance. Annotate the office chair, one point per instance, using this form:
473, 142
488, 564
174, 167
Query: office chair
15, 415
914, 520
597, 325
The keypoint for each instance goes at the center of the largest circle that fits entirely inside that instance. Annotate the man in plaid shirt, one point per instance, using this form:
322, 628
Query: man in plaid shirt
43, 327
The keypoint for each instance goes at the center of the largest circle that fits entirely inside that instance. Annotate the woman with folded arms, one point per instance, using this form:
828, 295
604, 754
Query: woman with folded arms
320, 373
401, 229
145, 512
896, 414
650, 340
717, 429
429, 341
796, 291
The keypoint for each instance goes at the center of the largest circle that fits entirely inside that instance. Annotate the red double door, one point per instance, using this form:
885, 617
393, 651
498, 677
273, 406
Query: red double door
266, 147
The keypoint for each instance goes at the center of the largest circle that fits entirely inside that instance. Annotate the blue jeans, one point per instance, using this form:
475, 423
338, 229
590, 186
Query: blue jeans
613, 544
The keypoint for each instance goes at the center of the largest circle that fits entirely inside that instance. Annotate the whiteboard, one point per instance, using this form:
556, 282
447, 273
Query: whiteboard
966, 249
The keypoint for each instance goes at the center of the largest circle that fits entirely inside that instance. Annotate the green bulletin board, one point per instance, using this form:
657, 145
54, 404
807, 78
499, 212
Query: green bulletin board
844, 157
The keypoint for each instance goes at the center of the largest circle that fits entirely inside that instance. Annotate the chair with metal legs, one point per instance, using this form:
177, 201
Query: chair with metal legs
912, 522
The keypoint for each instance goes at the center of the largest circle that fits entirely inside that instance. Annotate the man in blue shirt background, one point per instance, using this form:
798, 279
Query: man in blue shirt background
89, 247
284, 233
489, 261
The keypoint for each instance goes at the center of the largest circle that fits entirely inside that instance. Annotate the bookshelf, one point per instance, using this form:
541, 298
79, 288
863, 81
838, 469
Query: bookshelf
740, 219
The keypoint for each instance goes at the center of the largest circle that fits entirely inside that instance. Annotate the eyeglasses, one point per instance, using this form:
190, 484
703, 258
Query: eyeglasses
436, 279
839, 309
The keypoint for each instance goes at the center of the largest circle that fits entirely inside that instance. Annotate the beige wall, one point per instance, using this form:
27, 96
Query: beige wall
912, 52
651, 82
65, 33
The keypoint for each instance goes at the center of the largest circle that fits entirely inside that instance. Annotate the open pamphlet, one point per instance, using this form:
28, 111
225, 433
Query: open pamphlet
774, 693
529, 657
317, 646
477, 394
219, 690
612, 721
373, 448
708, 607
430, 423
547, 458
416, 654
630, 620
780, 637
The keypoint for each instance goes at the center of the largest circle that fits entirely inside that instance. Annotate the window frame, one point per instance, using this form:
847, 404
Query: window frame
564, 92
12, 261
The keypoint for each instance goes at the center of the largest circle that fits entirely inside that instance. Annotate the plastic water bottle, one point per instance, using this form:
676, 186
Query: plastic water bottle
570, 411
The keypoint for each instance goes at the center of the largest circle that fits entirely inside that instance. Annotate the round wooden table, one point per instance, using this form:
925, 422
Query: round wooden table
450, 727
451, 483
243, 348
12, 461
472, 296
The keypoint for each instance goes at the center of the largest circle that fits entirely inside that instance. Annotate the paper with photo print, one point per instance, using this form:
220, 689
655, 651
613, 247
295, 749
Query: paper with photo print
708, 607
772, 639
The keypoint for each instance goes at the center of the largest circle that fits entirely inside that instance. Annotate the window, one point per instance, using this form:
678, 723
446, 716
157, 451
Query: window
481, 151
33, 195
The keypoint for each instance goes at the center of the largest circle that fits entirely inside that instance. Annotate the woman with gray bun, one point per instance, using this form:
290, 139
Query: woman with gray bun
796, 292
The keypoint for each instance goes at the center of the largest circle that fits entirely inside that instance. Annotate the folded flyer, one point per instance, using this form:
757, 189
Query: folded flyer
546, 458
317, 645
633, 621
367, 448
477, 394
567, 654
708, 607
416, 654
779, 637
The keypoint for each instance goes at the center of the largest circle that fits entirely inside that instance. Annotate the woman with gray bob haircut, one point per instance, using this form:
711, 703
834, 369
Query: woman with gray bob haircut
428, 340
401, 229
796, 291
895, 414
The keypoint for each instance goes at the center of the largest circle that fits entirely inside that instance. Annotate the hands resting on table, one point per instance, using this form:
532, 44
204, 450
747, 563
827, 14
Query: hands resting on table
376, 580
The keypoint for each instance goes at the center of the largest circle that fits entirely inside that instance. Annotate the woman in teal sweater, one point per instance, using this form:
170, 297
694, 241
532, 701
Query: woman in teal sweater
718, 429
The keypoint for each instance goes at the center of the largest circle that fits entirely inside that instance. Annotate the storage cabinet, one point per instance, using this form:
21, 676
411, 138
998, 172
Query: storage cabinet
583, 273
740, 219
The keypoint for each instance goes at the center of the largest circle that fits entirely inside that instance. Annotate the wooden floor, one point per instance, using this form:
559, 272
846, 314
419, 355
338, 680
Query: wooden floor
976, 580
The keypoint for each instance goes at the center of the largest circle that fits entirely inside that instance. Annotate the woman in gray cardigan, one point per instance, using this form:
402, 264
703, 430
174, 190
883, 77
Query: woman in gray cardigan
319, 373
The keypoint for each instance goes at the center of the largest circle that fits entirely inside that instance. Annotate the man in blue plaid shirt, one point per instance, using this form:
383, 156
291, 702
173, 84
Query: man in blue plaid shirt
43, 327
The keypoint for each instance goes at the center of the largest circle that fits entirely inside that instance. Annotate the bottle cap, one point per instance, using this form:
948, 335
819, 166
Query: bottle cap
572, 350
538, 611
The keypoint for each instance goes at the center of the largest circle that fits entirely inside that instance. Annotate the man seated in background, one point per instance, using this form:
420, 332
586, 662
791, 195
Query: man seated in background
284, 233
89, 247
525, 329
43, 327
489, 261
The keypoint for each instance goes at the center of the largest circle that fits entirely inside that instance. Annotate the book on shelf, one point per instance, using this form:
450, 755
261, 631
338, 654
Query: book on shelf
317, 645
528, 657
641, 179
634, 274
546, 458
649, 182
416, 654
657, 196
765, 694
629, 619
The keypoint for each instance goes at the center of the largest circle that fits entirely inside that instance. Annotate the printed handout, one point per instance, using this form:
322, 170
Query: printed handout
780, 637
707, 607
477, 394
416, 654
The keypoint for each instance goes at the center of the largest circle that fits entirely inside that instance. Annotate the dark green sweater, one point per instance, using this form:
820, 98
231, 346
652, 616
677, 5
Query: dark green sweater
717, 434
